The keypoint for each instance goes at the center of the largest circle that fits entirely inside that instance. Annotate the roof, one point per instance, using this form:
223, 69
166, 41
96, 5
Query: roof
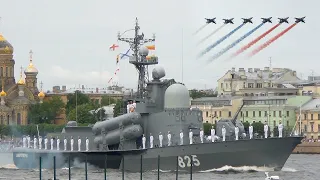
313, 105
223, 98
257, 98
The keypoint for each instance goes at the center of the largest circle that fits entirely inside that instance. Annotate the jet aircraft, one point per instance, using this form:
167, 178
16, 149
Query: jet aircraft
283, 20
247, 20
265, 20
228, 21
213, 20
300, 20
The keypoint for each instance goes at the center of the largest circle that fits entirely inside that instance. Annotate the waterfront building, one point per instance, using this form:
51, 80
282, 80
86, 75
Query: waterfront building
16, 96
216, 108
272, 109
257, 82
310, 119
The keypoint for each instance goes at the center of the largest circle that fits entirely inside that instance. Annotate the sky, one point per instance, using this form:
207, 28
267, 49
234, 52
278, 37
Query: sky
70, 39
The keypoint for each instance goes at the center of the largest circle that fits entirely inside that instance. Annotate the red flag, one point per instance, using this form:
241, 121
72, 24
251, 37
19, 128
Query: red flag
113, 47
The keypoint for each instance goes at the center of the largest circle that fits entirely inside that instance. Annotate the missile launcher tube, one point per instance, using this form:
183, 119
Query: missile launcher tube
112, 124
113, 137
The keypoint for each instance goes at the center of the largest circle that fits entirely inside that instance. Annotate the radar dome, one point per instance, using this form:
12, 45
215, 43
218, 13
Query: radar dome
143, 51
176, 96
158, 72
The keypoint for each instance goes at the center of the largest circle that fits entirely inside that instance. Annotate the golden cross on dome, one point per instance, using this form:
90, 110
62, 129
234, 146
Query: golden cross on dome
41, 85
21, 69
30, 53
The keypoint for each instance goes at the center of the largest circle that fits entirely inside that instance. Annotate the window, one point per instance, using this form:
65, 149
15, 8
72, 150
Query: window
274, 124
259, 85
215, 114
206, 121
6, 71
207, 114
19, 119
229, 113
244, 84
280, 114
241, 114
311, 116
219, 113
311, 126
319, 118
265, 114
247, 113
250, 85
8, 120
305, 128
253, 114
274, 114
259, 113
287, 123
221, 85
318, 127
288, 113
305, 116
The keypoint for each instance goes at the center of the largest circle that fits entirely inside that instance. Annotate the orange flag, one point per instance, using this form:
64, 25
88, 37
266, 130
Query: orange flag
151, 47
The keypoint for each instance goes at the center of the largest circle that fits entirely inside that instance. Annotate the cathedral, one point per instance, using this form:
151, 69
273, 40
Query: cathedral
16, 97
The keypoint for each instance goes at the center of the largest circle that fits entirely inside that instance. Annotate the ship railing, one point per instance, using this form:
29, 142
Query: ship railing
186, 168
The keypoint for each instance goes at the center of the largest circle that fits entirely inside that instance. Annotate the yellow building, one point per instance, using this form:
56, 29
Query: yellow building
256, 81
310, 119
216, 108
16, 97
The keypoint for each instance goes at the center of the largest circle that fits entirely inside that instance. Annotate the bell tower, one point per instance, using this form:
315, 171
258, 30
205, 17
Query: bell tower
6, 62
31, 75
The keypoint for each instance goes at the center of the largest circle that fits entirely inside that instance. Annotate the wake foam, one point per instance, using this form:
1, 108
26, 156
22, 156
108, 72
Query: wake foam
230, 169
8, 166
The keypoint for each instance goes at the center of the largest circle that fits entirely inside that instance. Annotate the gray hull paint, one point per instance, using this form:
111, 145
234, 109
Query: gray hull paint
272, 152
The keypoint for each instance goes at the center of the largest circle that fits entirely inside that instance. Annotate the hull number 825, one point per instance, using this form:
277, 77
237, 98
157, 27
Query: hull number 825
186, 161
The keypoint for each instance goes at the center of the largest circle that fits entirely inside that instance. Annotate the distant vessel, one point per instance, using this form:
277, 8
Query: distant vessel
162, 105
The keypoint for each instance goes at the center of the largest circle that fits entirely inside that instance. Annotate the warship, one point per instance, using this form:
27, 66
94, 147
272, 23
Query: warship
161, 106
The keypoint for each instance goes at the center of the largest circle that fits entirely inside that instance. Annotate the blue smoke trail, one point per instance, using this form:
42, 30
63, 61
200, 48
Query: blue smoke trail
219, 41
235, 43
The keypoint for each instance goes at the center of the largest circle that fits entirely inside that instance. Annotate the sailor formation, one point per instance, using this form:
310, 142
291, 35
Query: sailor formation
37, 143
213, 134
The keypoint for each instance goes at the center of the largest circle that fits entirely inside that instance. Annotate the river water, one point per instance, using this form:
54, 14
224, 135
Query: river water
298, 167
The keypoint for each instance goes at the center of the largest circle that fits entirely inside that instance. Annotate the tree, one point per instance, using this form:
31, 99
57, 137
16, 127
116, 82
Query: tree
246, 126
207, 128
77, 98
45, 112
198, 94
107, 100
258, 127
117, 108
82, 114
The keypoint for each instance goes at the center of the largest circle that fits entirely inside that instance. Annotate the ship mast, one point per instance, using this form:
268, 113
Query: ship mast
139, 58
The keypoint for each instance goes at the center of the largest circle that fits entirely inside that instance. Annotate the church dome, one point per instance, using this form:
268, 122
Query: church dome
5, 46
2, 93
177, 96
41, 94
31, 69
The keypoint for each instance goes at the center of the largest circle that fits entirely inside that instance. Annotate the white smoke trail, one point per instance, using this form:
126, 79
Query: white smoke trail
200, 29
211, 34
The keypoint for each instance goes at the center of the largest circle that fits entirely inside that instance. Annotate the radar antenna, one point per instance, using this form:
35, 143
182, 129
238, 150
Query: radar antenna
140, 58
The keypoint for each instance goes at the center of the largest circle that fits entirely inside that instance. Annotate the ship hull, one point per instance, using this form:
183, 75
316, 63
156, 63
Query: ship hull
272, 152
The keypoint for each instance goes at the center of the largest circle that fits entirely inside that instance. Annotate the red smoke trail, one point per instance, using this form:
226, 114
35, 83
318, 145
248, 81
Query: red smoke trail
271, 40
254, 41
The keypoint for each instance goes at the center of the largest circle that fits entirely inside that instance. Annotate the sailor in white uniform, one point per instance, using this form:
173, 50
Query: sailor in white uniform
79, 143
143, 142
29, 141
71, 143
190, 136
65, 144
151, 140
223, 131
87, 144
40, 142
128, 107
45, 143
280, 129
181, 137
58, 143
265, 128
251, 131
236, 132
52, 141
35, 142
169, 138
160, 139
213, 133
201, 135
24, 141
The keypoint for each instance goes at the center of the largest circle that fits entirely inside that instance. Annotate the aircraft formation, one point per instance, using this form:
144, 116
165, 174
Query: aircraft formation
254, 41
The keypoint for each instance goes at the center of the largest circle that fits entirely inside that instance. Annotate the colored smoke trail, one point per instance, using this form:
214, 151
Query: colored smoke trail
266, 44
200, 29
254, 41
214, 32
235, 43
219, 41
